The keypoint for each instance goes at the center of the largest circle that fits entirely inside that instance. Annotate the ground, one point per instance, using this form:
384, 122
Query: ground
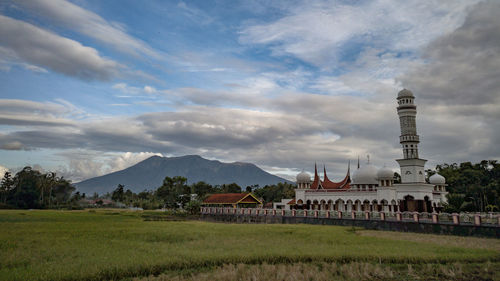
125, 245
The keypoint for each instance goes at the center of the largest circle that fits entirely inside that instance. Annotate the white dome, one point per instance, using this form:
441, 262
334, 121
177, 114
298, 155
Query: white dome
437, 179
303, 177
365, 175
405, 94
385, 174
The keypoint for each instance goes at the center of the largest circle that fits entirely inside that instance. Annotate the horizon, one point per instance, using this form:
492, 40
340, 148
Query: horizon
90, 87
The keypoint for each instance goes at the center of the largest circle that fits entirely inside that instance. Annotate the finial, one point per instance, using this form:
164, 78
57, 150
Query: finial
358, 161
368, 158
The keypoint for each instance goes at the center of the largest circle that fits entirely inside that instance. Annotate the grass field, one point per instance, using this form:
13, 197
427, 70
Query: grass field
117, 245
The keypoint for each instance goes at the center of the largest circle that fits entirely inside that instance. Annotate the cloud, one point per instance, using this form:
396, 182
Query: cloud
322, 32
15, 145
3, 170
31, 113
83, 165
48, 50
69, 15
462, 67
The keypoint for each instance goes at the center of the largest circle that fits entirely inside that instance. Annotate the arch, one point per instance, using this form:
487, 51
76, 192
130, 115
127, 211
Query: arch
300, 202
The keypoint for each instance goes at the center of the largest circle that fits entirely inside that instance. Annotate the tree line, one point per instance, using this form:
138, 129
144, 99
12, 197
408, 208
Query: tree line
31, 189
176, 193
471, 187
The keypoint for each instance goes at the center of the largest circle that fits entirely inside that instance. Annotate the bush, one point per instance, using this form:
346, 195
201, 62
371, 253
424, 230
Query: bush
193, 207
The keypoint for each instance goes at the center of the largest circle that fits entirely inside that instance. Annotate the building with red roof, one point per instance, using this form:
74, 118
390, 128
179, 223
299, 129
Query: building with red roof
240, 200
373, 189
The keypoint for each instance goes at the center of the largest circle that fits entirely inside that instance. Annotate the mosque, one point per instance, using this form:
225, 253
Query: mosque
372, 189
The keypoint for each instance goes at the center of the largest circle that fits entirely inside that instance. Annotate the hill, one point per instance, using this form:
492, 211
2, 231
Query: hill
149, 174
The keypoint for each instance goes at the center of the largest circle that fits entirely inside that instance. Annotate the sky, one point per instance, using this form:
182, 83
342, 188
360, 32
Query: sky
90, 87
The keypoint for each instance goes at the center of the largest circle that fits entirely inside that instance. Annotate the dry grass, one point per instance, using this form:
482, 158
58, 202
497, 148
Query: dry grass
336, 271
442, 240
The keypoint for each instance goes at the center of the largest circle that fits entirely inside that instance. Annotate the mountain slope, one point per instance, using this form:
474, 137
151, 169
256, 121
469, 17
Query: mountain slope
149, 174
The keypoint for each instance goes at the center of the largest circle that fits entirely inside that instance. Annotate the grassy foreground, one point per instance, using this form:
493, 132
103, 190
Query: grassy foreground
110, 244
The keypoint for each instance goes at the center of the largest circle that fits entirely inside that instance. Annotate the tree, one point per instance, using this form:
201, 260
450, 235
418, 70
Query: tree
201, 189
118, 194
230, 188
174, 191
6, 186
193, 207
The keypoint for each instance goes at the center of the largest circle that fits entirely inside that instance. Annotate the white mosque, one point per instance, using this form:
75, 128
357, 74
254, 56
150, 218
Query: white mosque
373, 189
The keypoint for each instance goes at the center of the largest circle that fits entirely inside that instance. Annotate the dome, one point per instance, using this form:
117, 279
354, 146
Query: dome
405, 94
303, 177
365, 175
437, 179
385, 174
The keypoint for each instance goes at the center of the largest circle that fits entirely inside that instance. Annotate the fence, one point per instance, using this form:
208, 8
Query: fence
478, 219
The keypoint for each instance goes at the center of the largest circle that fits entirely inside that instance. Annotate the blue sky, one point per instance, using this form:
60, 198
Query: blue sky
89, 87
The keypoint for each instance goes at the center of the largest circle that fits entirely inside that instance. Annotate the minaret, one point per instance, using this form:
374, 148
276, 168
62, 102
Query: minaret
412, 167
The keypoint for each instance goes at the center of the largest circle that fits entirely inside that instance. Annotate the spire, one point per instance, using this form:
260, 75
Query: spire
325, 177
358, 161
349, 168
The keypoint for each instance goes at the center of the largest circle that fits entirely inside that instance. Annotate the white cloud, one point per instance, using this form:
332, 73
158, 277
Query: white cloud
3, 170
69, 15
319, 32
48, 50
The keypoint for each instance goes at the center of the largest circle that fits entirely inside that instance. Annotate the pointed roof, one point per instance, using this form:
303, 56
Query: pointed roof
343, 184
316, 182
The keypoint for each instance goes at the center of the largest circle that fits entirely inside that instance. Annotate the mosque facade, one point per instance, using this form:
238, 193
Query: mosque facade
373, 189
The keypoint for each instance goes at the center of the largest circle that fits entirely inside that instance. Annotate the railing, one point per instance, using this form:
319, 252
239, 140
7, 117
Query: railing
492, 219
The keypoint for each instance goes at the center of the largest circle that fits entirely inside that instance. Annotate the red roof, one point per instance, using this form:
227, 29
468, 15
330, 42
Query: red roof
292, 202
231, 198
327, 184
316, 182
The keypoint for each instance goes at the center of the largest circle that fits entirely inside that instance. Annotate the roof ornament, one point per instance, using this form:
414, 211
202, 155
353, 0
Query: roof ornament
368, 158
358, 161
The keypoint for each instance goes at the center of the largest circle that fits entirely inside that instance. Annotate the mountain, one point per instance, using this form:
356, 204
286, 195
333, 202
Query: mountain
149, 174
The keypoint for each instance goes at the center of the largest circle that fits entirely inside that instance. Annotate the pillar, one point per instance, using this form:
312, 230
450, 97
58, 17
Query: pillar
435, 218
316, 213
477, 219
305, 213
382, 216
282, 213
353, 215
327, 214
456, 218
339, 214
416, 218
399, 216
367, 215
294, 213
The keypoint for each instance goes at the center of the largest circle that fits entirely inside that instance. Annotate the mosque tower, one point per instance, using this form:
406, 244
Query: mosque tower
412, 167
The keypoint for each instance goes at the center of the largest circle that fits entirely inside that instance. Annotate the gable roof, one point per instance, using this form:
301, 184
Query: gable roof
327, 184
231, 198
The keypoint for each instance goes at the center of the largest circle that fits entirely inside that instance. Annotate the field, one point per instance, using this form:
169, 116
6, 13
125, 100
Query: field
122, 245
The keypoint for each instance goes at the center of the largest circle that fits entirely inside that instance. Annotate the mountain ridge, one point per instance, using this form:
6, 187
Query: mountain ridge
149, 174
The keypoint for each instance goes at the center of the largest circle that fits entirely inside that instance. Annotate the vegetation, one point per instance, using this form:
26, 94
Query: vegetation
30, 189
323, 271
472, 187
110, 244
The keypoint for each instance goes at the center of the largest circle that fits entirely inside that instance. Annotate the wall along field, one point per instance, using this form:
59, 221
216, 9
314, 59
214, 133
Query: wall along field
111, 244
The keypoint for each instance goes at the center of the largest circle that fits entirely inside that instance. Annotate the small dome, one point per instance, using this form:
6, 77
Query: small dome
385, 174
303, 177
405, 94
365, 175
437, 179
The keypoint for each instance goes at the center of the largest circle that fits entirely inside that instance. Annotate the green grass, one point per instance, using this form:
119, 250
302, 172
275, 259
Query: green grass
111, 244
